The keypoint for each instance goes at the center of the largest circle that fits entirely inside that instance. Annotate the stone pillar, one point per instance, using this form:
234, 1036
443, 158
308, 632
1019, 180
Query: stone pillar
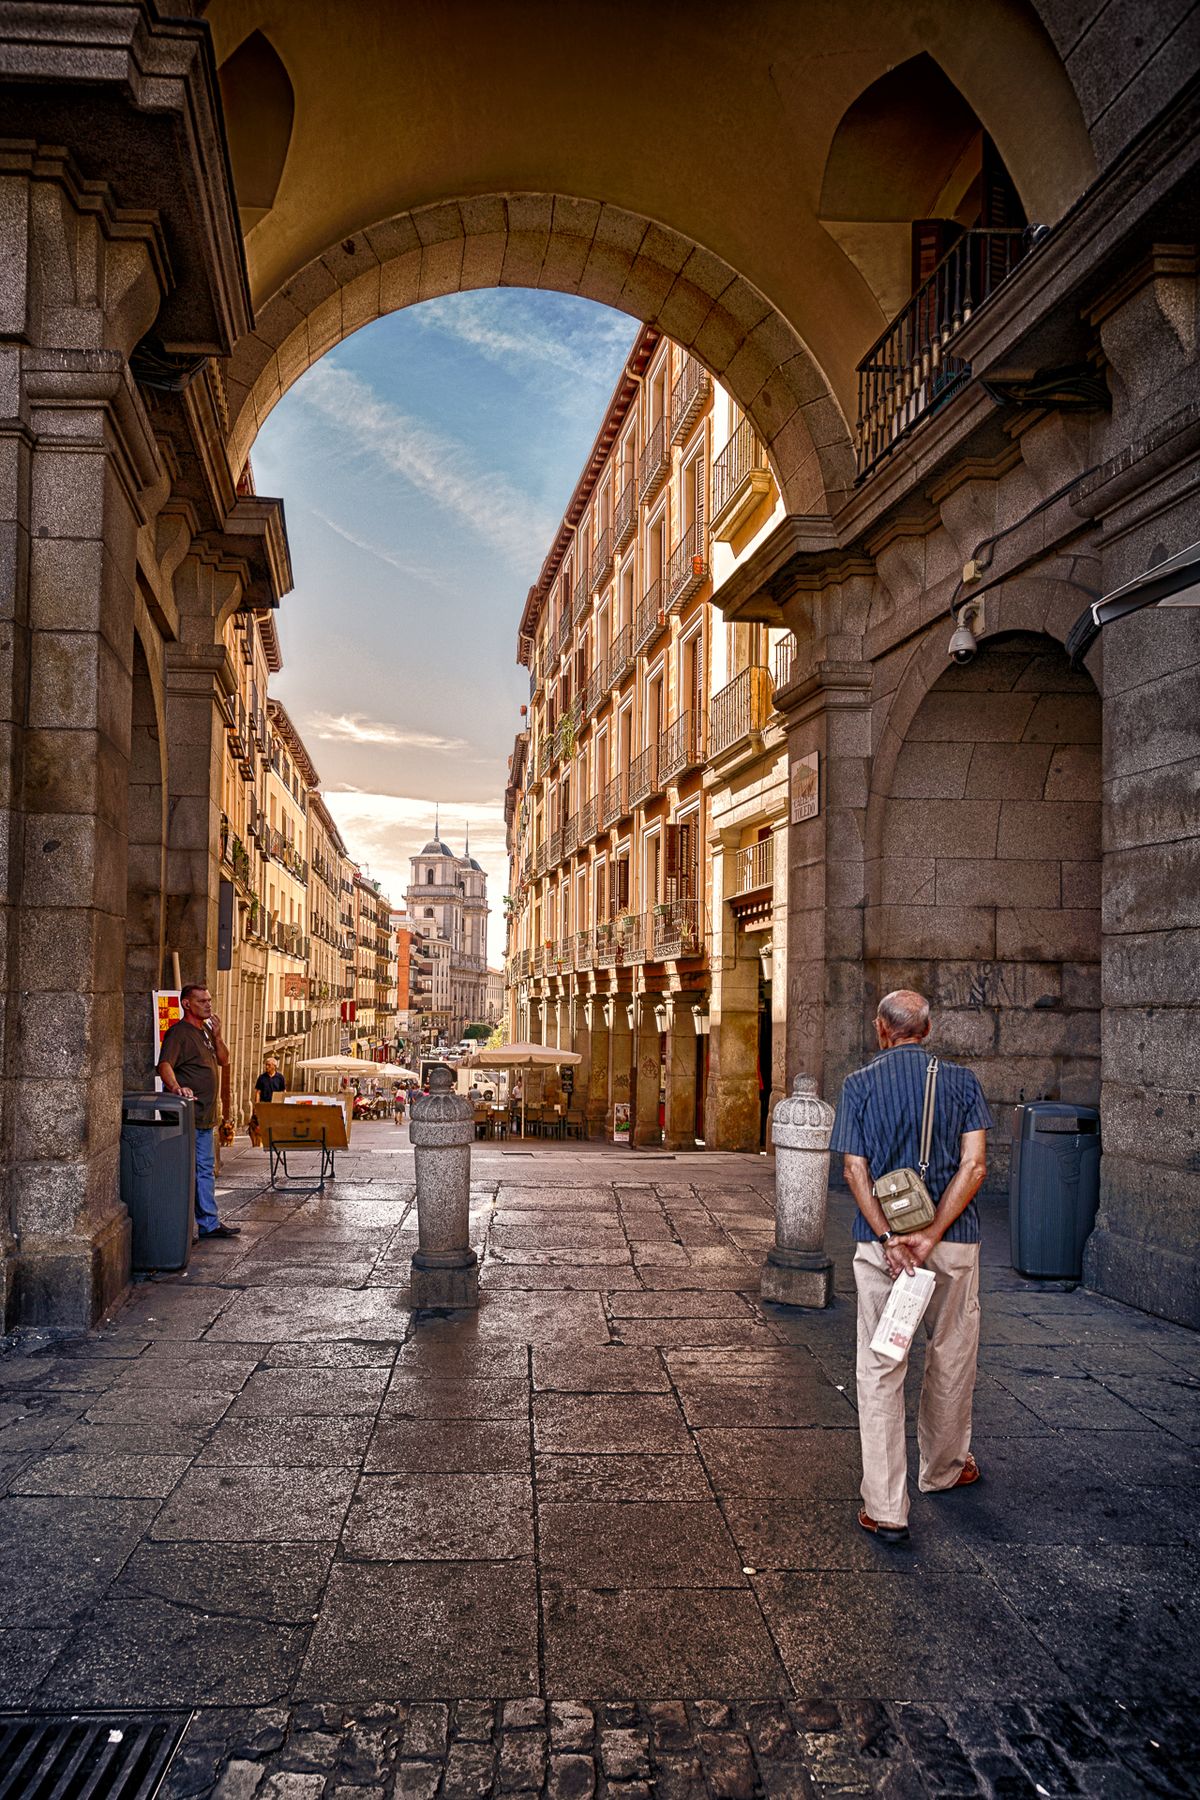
445, 1269
731, 1107
580, 1040
620, 1058
81, 284
596, 1097
797, 1271
679, 1132
646, 1128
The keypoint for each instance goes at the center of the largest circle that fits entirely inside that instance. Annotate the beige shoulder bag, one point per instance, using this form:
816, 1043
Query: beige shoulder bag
906, 1201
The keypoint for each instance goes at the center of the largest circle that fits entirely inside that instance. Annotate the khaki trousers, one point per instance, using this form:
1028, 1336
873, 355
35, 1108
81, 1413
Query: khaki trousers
951, 1326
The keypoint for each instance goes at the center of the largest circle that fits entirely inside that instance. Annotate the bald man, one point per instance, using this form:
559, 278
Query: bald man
878, 1128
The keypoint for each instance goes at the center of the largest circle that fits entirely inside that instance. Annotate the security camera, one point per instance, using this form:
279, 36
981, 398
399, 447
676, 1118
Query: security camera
964, 645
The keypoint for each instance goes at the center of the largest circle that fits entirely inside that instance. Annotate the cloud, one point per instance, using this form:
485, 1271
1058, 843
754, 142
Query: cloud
353, 728
550, 342
438, 467
416, 570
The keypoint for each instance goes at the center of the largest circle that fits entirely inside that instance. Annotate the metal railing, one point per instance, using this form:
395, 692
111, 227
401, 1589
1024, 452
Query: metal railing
602, 558
582, 600
631, 937
688, 397
739, 710
784, 659
688, 567
554, 849
614, 804
681, 745
656, 462
620, 655
607, 949
625, 516
593, 691
911, 368
649, 619
584, 949
754, 867
570, 834
562, 635
643, 776
742, 457
587, 823
676, 929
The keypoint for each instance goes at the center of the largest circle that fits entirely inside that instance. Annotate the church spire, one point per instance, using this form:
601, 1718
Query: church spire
437, 829
467, 841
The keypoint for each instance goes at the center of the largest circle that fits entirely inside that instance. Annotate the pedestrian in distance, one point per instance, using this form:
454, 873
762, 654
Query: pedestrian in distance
398, 1105
191, 1062
878, 1129
269, 1083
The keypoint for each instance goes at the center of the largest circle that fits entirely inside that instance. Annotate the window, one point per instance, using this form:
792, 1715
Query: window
429, 912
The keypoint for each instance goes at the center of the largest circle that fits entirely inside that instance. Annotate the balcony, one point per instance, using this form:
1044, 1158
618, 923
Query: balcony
676, 930
570, 835
741, 479
681, 746
649, 619
689, 397
614, 805
625, 517
562, 956
631, 938
754, 868
911, 369
584, 949
688, 568
643, 776
587, 824
582, 602
656, 462
554, 849
539, 858
602, 559
784, 661
606, 950
563, 635
593, 692
739, 712
620, 656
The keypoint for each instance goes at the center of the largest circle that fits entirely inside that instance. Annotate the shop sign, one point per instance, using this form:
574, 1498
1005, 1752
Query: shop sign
806, 787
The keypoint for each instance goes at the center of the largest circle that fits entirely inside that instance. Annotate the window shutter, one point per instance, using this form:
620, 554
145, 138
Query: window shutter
671, 835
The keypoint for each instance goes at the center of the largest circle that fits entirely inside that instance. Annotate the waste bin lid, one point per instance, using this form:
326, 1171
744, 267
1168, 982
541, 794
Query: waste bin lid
1049, 1116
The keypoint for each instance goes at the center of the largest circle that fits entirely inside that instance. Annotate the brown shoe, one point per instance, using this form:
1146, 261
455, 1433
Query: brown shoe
887, 1534
968, 1476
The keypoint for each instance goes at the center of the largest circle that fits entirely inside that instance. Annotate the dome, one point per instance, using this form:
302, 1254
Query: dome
435, 847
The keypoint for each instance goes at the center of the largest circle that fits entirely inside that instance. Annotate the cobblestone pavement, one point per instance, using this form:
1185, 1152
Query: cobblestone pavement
599, 1537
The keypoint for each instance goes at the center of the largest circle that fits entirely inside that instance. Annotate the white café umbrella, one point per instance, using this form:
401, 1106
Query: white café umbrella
394, 1072
341, 1065
522, 1056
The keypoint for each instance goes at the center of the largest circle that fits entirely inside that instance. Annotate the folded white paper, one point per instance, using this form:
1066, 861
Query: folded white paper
904, 1311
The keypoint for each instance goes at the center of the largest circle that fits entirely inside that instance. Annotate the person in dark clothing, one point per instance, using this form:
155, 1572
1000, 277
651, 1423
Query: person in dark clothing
190, 1063
270, 1082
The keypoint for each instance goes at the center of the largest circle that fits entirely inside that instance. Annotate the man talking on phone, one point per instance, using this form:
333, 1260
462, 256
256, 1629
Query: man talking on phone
190, 1063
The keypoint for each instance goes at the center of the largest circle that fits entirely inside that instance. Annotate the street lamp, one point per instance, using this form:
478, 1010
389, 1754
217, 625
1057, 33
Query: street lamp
1172, 582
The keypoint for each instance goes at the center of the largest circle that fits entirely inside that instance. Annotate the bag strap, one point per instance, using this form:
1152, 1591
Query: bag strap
927, 1112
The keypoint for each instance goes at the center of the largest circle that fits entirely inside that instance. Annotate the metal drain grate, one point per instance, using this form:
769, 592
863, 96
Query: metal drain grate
78, 1757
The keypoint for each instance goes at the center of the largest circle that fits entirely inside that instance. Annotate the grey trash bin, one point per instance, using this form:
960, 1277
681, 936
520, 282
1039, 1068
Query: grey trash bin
1053, 1187
158, 1177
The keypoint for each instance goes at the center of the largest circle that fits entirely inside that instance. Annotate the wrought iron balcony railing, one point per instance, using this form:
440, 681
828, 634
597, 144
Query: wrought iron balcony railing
602, 559
563, 634
620, 656
740, 479
689, 397
785, 657
688, 567
593, 691
570, 835
554, 849
584, 948
681, 746
739, 710
614, 805
643, 776
911, 368
587, 824
656, 462
754, 867
607, 950
650, 618
631, 937
625, 516
676, 930
583, 600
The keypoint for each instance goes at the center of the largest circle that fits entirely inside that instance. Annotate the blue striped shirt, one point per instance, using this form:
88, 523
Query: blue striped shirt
880, 1119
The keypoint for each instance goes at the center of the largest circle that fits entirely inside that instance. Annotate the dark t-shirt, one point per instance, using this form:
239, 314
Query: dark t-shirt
266, 1085
190, 1053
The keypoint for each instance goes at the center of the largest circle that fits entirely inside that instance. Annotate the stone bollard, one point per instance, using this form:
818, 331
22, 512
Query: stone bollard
797, 1271
445, 1269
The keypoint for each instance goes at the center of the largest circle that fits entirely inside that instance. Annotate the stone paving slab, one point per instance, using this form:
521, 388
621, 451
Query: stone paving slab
597, 1539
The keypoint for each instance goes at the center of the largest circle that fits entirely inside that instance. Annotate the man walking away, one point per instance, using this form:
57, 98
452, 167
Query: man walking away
190, 1063
878, 1129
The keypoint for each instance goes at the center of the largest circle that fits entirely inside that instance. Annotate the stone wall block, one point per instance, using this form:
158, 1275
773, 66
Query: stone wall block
931, 771
1081, 884
579, 218
955, 983
1064, 719
533, 214
1048, 1031
441, 269
1148, 647
1151, 968
1053, 933
65, 857
931, 931
1153, 1047
325, 327
963, 1035
959, 718
1152, 806
908, 881
1074, 773
951, 827
976, 882
396, 237
67, 494
1036, 830
646, 287
684, 311
1154, 888
524, 255
65, 583
483, 259
719, 338
50, 1122
400, 281
1147, 731
1158, 1124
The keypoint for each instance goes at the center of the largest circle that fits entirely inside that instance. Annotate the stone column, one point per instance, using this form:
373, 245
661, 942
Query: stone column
580, 1040
620, 1057
797, 1271
445, 1269
81, 283
596, 1097
731, 1109
680, 1112
646, 1128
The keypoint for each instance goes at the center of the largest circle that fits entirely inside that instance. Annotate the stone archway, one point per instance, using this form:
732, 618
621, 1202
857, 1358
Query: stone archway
146, 867
984, 888
551, 241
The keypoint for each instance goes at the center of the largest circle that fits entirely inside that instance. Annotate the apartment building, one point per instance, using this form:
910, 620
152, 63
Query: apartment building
647, 930
328, 868
240, 994
291, 779
446, 901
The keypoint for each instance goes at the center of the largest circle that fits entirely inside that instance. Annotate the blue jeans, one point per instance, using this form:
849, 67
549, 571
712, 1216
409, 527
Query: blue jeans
207, 1217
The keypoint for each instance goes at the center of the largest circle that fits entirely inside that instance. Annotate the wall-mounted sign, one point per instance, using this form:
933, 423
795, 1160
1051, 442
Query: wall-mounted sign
295, 987
806, 787
620, 1124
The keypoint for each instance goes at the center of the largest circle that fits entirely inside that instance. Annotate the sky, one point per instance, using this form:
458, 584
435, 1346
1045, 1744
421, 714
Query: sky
424, 465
